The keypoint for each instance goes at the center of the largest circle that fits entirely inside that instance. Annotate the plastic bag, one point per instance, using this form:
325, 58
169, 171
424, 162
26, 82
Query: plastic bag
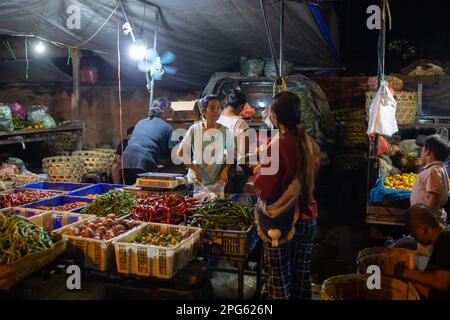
6, 118
270, 71
20, 112
208, 192
252, 67
382, 111
17, 162
40, 115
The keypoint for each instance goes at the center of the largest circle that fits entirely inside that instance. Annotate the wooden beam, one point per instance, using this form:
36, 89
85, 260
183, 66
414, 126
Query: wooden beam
75, 98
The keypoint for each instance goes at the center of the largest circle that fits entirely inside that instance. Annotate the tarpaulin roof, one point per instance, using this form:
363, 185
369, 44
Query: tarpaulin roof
205, 35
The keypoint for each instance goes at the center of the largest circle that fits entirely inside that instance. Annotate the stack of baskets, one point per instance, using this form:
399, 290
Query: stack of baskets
406, 106
61, 144
94, 161
64, 168
110, 154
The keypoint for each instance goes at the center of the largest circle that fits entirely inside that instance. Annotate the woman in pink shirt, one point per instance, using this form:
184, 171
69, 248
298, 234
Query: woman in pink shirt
287, 211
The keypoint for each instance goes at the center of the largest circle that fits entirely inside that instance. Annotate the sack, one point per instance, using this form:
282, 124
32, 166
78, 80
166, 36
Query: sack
382, 119
252, 67
208, 192
6, 118
271, 72
40, 115
20, 112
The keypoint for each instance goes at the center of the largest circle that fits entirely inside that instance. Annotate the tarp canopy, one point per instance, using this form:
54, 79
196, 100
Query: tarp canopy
205, 35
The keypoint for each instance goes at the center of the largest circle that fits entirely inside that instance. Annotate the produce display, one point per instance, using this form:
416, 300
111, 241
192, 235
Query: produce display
64, 207
116, 202
403, 181
161, 239
102, 228
17, 199
164, 208
223, 214
19, 237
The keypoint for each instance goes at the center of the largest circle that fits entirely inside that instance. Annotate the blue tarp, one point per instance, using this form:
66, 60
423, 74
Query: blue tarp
380, 193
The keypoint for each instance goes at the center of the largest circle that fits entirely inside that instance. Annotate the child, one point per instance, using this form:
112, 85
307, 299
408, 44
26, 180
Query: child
431, 185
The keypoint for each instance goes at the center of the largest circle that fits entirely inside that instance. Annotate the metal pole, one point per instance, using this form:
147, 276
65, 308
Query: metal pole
155, 43
281, 36
269, 36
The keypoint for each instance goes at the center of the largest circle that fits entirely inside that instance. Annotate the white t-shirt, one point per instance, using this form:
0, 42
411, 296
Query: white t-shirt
237, 126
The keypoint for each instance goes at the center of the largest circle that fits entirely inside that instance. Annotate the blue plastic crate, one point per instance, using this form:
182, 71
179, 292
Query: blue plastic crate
57, 186
58, 201
97, 189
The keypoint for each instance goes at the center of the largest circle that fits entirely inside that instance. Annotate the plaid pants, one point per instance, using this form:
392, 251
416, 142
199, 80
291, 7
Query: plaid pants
289, 265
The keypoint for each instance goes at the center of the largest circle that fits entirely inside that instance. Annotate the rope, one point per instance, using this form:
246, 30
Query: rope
279, 86
120, 96
26, 57
269, 37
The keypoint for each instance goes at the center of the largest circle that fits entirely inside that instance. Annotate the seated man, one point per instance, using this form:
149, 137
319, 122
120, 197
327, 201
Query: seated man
427, 229
116, 171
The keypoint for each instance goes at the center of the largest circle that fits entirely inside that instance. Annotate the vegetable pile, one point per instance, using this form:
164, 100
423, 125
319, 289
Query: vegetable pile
164, 208
102, 228
17, 199
116, 202
64, 207
161, 239
223, 214
19, 237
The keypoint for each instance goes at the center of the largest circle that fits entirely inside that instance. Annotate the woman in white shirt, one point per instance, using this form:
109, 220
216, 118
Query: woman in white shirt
235, 103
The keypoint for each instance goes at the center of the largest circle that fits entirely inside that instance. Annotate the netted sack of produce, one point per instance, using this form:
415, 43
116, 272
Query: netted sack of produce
40, 115
6, 118
252, 67
270, 70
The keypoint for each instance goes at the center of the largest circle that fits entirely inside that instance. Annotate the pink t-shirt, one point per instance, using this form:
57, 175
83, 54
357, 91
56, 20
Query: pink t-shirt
433, 179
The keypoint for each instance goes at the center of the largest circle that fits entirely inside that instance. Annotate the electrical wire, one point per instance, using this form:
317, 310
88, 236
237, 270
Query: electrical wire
120, 97
26, 57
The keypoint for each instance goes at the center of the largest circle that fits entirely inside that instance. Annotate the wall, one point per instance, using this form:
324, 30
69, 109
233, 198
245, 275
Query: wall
99, 107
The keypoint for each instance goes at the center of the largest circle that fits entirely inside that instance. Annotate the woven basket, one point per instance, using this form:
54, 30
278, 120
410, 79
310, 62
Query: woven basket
64, 169
94, 161
406, 106
111, 154
62, 143
385, 258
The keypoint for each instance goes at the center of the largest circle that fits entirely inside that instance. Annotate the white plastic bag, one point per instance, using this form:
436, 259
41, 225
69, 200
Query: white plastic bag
208, 192
382, 111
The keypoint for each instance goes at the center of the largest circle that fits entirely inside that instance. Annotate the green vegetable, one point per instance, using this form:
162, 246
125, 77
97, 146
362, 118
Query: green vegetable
19, 237
116, 202
161, 239
20, 124
223, 214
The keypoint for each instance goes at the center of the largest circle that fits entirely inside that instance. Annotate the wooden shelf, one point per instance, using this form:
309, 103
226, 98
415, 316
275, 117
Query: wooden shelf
34, 135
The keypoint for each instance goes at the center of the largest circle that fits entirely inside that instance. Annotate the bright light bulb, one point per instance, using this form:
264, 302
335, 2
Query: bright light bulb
261, 104
137, 50
39, 47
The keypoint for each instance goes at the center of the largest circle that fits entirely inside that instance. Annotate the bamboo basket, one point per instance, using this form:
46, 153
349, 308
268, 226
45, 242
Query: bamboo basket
64, 169
354, 287
111, 155
406, 106
385, 258
62, 143
94, 161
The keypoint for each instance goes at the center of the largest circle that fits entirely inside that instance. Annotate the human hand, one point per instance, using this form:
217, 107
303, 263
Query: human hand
224, 176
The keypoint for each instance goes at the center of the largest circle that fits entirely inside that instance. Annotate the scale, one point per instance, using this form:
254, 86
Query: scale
158, 180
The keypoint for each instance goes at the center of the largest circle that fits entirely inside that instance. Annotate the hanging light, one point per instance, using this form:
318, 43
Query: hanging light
39, 47
138, 50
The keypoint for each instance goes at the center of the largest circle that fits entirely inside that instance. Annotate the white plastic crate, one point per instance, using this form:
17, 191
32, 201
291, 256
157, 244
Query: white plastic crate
155, 261
59, 221
24, 212
97, 254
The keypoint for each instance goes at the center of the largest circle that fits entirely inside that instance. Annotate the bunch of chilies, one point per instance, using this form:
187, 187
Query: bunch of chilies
164, 208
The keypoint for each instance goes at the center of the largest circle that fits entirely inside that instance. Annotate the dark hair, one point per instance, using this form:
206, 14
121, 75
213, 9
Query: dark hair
235, 98
130, 130
438, 146
159, 106
286, 107
422, 214
205, 100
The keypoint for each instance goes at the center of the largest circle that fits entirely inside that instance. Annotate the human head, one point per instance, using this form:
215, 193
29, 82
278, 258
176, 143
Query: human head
160, 108
435, 148
420, 220
129, 132
285, 110
236, 100
211, 107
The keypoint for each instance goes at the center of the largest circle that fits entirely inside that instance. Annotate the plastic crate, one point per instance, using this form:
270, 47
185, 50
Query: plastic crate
57, 201
55, 186
96, 254
155, 261
24, 212
97, 189
58, 221
228, 242
56, 193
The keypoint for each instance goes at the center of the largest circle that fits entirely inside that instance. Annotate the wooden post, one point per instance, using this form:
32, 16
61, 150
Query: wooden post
75, 99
